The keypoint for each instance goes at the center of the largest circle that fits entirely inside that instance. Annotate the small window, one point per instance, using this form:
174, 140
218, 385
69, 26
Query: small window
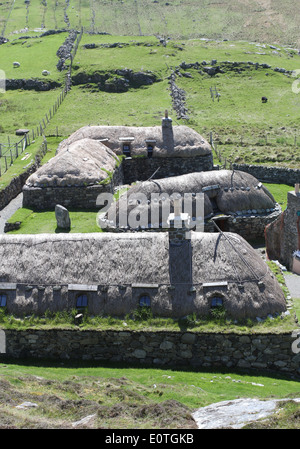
82, 301
150, 150
3, 298
217, 301
126, 149
145, 301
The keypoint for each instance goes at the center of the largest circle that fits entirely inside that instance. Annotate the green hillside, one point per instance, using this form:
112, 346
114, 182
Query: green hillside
263, 20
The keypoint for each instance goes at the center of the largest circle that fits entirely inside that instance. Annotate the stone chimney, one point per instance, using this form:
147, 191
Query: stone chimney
178, 222
166, 121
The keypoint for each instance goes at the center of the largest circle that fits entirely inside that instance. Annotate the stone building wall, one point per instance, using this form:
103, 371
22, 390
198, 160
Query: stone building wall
277, 352
142, 168
82, 197
283, 235
250, 227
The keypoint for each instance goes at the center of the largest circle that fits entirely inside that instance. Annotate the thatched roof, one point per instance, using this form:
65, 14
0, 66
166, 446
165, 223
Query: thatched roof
210, 262
177, 141
82, 258
224, 191
83, 162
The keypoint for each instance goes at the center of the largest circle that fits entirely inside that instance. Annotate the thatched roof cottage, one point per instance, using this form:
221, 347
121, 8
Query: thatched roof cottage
115, 273
154, 142
235, 200
74, 177
78, 168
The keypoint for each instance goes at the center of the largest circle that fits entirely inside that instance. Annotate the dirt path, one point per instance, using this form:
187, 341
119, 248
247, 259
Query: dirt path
9, 210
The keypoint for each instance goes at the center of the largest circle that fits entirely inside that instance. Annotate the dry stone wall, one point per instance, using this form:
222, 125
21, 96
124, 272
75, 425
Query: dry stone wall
271, 174
15, 186
169, 349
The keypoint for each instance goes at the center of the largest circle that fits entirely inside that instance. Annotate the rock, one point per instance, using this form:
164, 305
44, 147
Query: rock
233, 414
139, 353
62, 217
116, 85
188, 338
16, 64
166, 345
25, 405
83, 421
45, 73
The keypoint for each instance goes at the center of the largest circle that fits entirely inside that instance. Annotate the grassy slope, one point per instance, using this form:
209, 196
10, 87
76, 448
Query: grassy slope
248, 19
34, 55
125, 398
244, 129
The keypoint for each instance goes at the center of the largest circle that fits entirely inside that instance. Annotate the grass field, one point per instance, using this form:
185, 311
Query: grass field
128, 397
244, 129
38, 222
248, 19
34, 55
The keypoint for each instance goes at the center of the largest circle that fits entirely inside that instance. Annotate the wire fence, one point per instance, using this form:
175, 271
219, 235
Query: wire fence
10, 151
262, 143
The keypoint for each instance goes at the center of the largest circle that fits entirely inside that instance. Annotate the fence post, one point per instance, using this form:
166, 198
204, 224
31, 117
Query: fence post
17, 154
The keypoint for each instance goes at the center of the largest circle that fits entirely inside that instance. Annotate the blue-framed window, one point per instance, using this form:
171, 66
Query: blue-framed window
126, 149
150, 150
216, 301
145, 301
3, 299
81, 301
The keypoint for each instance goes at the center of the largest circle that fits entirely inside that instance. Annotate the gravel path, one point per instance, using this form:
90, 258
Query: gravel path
9, 210
293, 284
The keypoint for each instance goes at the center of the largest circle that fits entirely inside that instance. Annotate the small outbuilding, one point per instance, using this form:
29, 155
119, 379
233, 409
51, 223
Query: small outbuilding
235, 201
74, 177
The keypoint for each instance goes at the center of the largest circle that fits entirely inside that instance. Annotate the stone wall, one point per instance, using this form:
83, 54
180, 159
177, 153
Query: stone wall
283, 235
82, 197
164, 348
271, 174
142, 168
251, 226
31, 84
15, 186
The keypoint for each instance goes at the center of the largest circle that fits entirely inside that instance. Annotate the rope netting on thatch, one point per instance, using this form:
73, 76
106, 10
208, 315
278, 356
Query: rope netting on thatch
224, 192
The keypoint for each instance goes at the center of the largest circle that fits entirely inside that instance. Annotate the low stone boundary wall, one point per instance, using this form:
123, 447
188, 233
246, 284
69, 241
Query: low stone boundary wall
271, 174
162, 348
15, 186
